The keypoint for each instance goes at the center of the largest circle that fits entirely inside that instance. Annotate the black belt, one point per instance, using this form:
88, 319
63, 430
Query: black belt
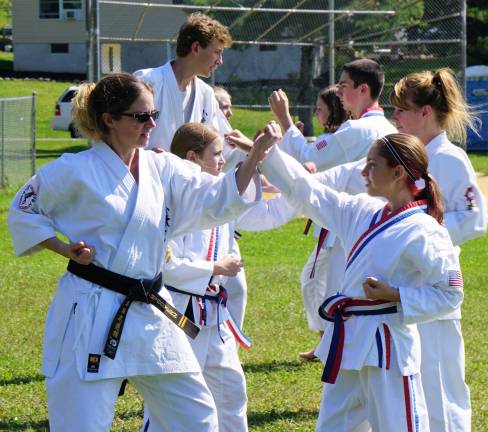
142, 290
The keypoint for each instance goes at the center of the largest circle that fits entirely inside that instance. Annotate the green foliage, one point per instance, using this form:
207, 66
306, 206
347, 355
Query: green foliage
477, 39
5, 13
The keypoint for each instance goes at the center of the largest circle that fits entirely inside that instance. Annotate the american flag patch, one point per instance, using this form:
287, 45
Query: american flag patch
455, 278
321, 144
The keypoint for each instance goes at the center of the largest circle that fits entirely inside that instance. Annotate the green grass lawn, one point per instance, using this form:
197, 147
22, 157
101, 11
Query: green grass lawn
284, 392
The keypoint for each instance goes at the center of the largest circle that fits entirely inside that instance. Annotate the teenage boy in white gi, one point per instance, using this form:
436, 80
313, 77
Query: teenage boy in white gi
179, 94
359, 89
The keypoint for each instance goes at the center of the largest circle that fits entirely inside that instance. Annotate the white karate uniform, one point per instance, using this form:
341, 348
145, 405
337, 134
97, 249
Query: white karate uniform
330, 262
203, 108
349, 143
92, 196
446, 392
465, 214
169, 100
421, 263
189, 268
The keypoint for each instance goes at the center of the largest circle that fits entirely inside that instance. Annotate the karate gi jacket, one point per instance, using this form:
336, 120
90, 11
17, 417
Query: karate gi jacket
92, 196
415, 255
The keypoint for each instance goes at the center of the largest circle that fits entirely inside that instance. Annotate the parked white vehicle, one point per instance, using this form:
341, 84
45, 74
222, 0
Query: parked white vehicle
62, 119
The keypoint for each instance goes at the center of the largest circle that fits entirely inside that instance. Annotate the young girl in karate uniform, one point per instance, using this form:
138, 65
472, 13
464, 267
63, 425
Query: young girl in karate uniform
431, 106
196, 271
401, 269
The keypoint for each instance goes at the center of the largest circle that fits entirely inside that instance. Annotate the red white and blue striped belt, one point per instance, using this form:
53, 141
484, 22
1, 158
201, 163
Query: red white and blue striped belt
339, 308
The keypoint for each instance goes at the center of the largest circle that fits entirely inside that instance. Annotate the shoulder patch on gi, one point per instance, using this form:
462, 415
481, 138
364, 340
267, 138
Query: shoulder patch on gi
470, 198
93, 363
321, 144
28, 197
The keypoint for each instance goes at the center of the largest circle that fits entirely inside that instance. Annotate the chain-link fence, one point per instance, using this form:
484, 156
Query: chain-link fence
17, 139
299, 46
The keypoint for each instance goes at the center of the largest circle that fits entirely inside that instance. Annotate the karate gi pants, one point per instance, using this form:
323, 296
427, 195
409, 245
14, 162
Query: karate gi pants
80, 406
446, 393
224, 376
329, 270
237, 289
373, 399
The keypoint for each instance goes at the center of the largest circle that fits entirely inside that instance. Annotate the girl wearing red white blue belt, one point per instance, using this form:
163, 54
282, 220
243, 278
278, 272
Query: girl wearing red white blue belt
401, 269
197, 268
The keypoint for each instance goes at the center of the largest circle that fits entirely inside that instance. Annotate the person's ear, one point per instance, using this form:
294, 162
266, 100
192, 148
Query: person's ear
195, 47
364, 89
108, 120
426, 111
398, 172
191, 156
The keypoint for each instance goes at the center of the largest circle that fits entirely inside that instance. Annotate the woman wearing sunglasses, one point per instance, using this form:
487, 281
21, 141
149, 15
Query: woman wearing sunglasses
401, 269
118, 205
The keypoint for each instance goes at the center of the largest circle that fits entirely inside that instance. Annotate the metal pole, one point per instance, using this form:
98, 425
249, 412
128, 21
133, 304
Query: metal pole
96, 42
89, 53
33, 134
463, 46
93, 40
331, 44
2, 165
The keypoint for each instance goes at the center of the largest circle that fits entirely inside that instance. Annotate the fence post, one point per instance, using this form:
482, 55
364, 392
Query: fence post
332, 79
2, 163
33, 134
463, 46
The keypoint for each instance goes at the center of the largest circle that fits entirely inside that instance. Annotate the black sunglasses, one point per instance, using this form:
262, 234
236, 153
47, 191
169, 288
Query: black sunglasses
143, 117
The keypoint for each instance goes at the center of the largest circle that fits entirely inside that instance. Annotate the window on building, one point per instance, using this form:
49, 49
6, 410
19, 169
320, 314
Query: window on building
71, 4
49, 9
59, 48
53, 9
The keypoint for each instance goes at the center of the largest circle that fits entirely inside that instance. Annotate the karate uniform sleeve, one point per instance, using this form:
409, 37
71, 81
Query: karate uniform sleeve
441, 291
343, 178
345, 145
199, 201
184, 273
465, 217
28, 223
266, 215
320, 203
232, 157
